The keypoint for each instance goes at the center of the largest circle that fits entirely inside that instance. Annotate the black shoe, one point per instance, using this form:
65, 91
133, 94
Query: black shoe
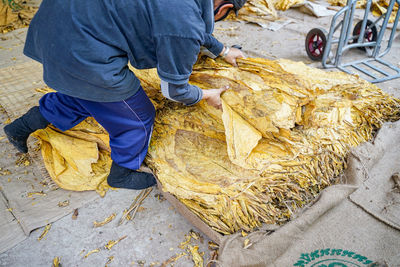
122, 177
19, 130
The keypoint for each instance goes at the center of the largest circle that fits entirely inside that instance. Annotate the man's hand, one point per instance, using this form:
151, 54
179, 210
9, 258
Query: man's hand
232, 55
213, 96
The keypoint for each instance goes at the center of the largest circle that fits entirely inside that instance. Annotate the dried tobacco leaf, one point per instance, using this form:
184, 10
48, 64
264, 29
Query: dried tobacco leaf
45, 231
173, 259
75, 214
32, 194
196, 257
91, 252
64, 203
105, 221
56, 262
112, 243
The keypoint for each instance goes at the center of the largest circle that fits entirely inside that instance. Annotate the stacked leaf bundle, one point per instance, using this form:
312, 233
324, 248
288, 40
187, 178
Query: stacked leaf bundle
282, 137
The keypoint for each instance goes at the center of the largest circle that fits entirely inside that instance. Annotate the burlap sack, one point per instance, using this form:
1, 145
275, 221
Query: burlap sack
356, 223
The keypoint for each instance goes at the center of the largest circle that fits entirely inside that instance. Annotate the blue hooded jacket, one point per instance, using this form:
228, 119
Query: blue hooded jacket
85, 46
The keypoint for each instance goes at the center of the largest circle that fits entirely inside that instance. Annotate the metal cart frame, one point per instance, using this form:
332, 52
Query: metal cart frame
368, 38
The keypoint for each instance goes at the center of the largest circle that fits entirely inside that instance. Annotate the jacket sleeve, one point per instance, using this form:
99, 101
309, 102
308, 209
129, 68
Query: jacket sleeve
213, 45
185, 93
176, 56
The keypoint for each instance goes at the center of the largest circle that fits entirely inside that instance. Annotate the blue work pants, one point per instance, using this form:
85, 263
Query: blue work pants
129, 122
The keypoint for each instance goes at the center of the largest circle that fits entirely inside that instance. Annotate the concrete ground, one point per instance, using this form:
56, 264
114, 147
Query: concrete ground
156, 232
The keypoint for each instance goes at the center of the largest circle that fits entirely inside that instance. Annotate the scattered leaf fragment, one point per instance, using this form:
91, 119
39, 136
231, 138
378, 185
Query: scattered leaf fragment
213, 258
194, 234
56, 262
212, 245
63, 203
141, 262
75, 214
45, 231
6, 172
31, 194
105, 221
396, 180
109, 260
196, 257
8, 121
2, 137
91, 252
23, 159
160, 197
183, 244
112, 243
173, 259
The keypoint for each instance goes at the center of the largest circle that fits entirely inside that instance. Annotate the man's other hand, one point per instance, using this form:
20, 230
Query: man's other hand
232, 55
213, 96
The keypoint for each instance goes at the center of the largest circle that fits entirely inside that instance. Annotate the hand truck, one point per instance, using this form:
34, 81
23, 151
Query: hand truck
367, 35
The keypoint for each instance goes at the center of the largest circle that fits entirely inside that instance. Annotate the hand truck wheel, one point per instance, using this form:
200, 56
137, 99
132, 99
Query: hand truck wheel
370, 34
316, 43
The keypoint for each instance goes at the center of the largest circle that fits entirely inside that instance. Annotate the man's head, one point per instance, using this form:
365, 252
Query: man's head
222, 8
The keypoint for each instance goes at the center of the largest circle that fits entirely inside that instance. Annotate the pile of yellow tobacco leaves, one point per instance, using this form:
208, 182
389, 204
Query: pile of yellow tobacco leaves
15, 15
282, 137
378, 7
262, 11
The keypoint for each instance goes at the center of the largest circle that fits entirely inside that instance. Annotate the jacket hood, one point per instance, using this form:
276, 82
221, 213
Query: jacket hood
207, 13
